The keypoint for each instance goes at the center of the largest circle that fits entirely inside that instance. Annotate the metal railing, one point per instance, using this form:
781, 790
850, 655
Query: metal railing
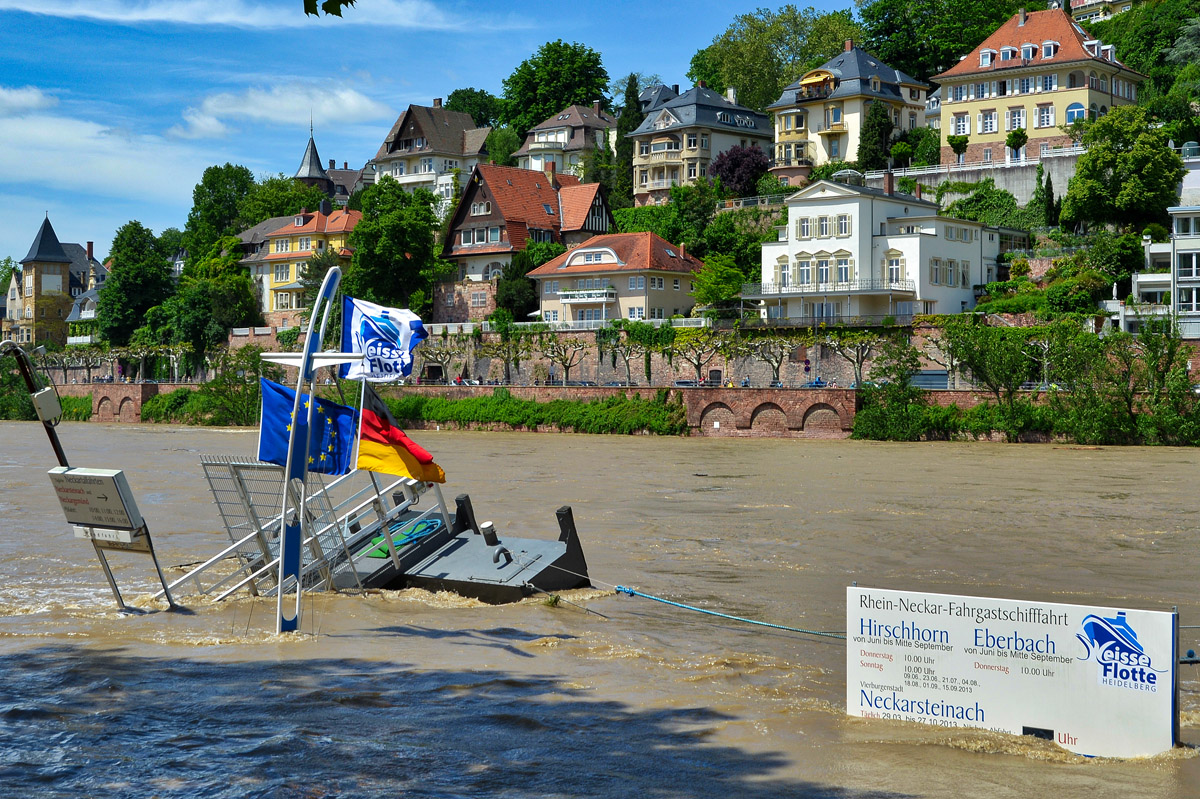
752, 202
844, 320
1029, 160
588, 295
843, 287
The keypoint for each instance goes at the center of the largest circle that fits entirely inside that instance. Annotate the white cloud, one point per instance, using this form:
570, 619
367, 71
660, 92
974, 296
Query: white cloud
289, 105
256, 14
27, 98
80, 156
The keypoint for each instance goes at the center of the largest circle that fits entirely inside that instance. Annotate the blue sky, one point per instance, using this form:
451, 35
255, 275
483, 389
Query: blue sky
111, 109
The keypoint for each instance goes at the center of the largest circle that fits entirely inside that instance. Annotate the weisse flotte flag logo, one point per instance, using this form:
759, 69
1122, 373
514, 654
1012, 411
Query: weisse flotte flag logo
385, 336
1122, 660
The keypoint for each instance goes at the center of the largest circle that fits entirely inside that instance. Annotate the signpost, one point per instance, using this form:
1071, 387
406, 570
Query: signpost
100, 506
1096, 680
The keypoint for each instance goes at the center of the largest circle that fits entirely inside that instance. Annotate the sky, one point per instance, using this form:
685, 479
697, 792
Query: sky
110, 110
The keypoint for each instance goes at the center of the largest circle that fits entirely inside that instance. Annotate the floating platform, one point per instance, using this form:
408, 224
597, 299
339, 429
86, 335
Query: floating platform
426, 545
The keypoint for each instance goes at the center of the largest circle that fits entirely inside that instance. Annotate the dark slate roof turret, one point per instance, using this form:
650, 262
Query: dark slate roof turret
310, 165
45, 248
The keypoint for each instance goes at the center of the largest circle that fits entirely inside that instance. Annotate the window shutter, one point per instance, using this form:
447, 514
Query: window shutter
1008, 120
1054, 85
1052, 114
979, 123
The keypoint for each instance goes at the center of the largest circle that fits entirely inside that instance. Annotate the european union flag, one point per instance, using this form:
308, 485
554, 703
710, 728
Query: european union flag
331, 439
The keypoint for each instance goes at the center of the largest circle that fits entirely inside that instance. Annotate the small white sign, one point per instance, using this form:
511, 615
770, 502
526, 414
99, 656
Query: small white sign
95, 497
129, 540
1098, 681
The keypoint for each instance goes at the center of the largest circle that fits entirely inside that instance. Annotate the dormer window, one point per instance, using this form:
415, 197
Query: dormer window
986, 57
1049, 49
1008, 54
874, 84
299, 221
1028, 51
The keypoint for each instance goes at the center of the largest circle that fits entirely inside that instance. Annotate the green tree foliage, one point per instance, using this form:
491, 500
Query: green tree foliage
739, 169
502, 142
233, 396
221, 260
995, 357
333, 8
483, 106
631, 117
694, 207
762, 52
719, 285
1128, 174
315, 269
698, 346
395, 260
7, 267
958, 144
556, 76
1016, 139
994, 207
874, 142
511, 344
892, 410
139, 278
276, 195
925, 37
170, 242
902, 153
516, 293
827, 170
539, 252
201, 312
926, 146
216, 202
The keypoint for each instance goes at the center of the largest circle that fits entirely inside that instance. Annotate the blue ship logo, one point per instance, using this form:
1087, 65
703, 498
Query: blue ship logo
1113, 645
387, 342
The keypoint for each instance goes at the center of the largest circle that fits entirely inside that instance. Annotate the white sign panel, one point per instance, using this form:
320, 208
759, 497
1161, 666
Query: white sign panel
95, 497
1098, 681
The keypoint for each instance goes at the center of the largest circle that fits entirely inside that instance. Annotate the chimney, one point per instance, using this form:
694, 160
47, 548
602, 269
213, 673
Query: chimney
437, 102
702, 85
849, 45
326, 207
889, 183
345, 165
89, 251
332, 164
1020, 17
596, 108
675, 87
552, 173
731, 95
918, 191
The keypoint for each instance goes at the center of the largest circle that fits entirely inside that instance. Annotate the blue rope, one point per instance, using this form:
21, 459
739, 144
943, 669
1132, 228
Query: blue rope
623, 590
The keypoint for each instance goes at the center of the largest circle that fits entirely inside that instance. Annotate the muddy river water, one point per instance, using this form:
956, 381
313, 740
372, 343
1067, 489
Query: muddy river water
604, 695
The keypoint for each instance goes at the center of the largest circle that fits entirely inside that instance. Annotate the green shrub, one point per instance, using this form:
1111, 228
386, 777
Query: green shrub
76, 409
167, 407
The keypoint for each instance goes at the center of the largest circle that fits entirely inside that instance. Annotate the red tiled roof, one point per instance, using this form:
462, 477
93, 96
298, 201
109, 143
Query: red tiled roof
340, 221
1053, 25
523, 194
576, 203
637, 252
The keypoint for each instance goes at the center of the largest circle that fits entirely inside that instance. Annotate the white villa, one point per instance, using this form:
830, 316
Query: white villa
851, 254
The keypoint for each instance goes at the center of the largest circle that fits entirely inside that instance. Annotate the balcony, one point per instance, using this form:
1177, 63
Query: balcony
832, 129
88, 314
803, 160
72, 340
651, 185
866, 286
660, 157
582, 296
545, 146
415, 178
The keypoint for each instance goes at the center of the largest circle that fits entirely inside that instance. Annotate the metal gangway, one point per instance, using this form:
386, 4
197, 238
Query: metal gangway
342, 516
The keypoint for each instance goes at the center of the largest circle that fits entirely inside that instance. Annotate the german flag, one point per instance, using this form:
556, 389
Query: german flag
383, 446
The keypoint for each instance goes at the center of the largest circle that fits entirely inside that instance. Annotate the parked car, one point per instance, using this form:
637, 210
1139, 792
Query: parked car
618, 384
775, 384
685, 384
816, 382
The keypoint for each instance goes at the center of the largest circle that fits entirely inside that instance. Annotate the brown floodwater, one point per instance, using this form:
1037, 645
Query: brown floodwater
409, 693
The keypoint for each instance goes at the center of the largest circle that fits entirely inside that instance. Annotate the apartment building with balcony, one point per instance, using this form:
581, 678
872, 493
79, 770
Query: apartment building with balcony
818, 118
1038, 71
851, 254
1095, 10
430, 148
287, 249
503, 210
617, 276
40, 296
677, 141
566, 139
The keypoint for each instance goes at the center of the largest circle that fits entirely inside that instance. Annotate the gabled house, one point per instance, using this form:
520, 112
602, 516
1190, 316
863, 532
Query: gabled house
1038, 71
654, 96
338, 184
818, 118
430, 148
565, 139
678, 140
255, 249
617, 276
81, 321
851, 254
40, 296
286, 252
503, 210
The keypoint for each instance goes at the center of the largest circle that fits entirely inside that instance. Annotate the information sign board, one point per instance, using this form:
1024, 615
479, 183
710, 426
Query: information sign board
1097, 680
96, 497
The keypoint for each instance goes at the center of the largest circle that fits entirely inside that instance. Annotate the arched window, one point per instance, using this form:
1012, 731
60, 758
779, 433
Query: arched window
1103, 110
1075, 111
1093, 111
493, 271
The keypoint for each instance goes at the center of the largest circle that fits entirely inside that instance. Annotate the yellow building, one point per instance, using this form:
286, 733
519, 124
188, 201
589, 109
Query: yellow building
818, 118
1094, 10
288, 251
1037, 72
